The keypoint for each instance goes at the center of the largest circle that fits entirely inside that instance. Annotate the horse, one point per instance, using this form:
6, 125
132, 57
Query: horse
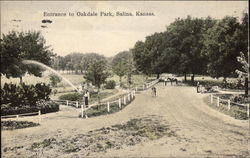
173, 80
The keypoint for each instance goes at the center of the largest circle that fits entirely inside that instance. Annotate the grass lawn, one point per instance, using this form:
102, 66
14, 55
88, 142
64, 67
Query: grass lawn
75, 79
235, 111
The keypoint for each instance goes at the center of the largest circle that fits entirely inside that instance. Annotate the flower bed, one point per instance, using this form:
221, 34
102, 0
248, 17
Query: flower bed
11, 125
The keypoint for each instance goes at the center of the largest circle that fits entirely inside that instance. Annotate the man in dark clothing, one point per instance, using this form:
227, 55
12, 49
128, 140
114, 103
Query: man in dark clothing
198, 87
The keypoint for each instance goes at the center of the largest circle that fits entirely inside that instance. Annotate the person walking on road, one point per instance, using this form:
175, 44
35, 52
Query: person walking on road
153, 91
165, 80
198, 87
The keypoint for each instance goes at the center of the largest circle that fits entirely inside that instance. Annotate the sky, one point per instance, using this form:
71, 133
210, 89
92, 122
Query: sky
105, 35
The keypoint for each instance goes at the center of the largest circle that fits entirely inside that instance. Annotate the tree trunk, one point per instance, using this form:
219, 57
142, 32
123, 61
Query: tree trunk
185, 77
246, 86
21, 79
192, 78
158, 76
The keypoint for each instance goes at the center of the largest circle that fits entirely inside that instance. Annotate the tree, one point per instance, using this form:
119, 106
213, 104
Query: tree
154, 47
97, 72
54, 80
19, 46
185, 45
142, 58
222, 44
243, 73
121, 64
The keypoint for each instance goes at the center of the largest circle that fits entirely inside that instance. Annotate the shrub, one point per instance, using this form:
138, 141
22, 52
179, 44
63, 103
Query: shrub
10, 125
47, 106
110, 84
232, 85
43, 105
54, 80
17, 96
239, 98
71, 97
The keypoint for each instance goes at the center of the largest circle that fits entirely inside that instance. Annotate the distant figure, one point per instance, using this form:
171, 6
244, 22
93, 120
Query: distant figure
165, 80
153, 91
198, 87
86, 98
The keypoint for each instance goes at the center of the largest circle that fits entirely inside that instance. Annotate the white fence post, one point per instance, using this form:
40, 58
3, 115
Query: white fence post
132, 94
39, 112
125, 100
77, 104
228, 104
248, 112
81, 110
136, 89
218, 101
211, 98
120, 104
108, 106
17, 116
67, 102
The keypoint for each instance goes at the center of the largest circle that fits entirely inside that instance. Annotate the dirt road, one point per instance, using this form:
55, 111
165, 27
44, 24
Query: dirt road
202, 131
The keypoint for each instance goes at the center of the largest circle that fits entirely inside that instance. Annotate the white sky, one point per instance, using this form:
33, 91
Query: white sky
106, 35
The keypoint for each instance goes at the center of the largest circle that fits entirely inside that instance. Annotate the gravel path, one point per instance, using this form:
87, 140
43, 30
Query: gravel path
201, 131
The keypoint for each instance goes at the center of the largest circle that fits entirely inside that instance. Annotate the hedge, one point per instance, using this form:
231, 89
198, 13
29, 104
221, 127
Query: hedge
44, 106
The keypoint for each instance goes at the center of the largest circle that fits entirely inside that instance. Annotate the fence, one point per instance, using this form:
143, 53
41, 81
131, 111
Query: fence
123, 100
25, 114
228, 103
75, 104
146, 86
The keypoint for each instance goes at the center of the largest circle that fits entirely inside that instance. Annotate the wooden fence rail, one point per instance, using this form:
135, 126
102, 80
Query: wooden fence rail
25, 114
229, 103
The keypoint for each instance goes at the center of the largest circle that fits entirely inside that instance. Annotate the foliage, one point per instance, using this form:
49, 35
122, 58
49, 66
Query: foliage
97, 72
245, 66
24, 94
239, 99
71, 97
142, 58
11, 125
194, 46
19, 46
110, 84
232, 85
122, 64
54, 80
102, 109
222, 44
44, 105
237, 112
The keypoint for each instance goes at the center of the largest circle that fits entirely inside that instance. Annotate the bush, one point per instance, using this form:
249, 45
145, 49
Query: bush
17, 96
43, 105
232, 85
47, 106
54, 80
71, 97
239, 98
110, 84
10, 125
